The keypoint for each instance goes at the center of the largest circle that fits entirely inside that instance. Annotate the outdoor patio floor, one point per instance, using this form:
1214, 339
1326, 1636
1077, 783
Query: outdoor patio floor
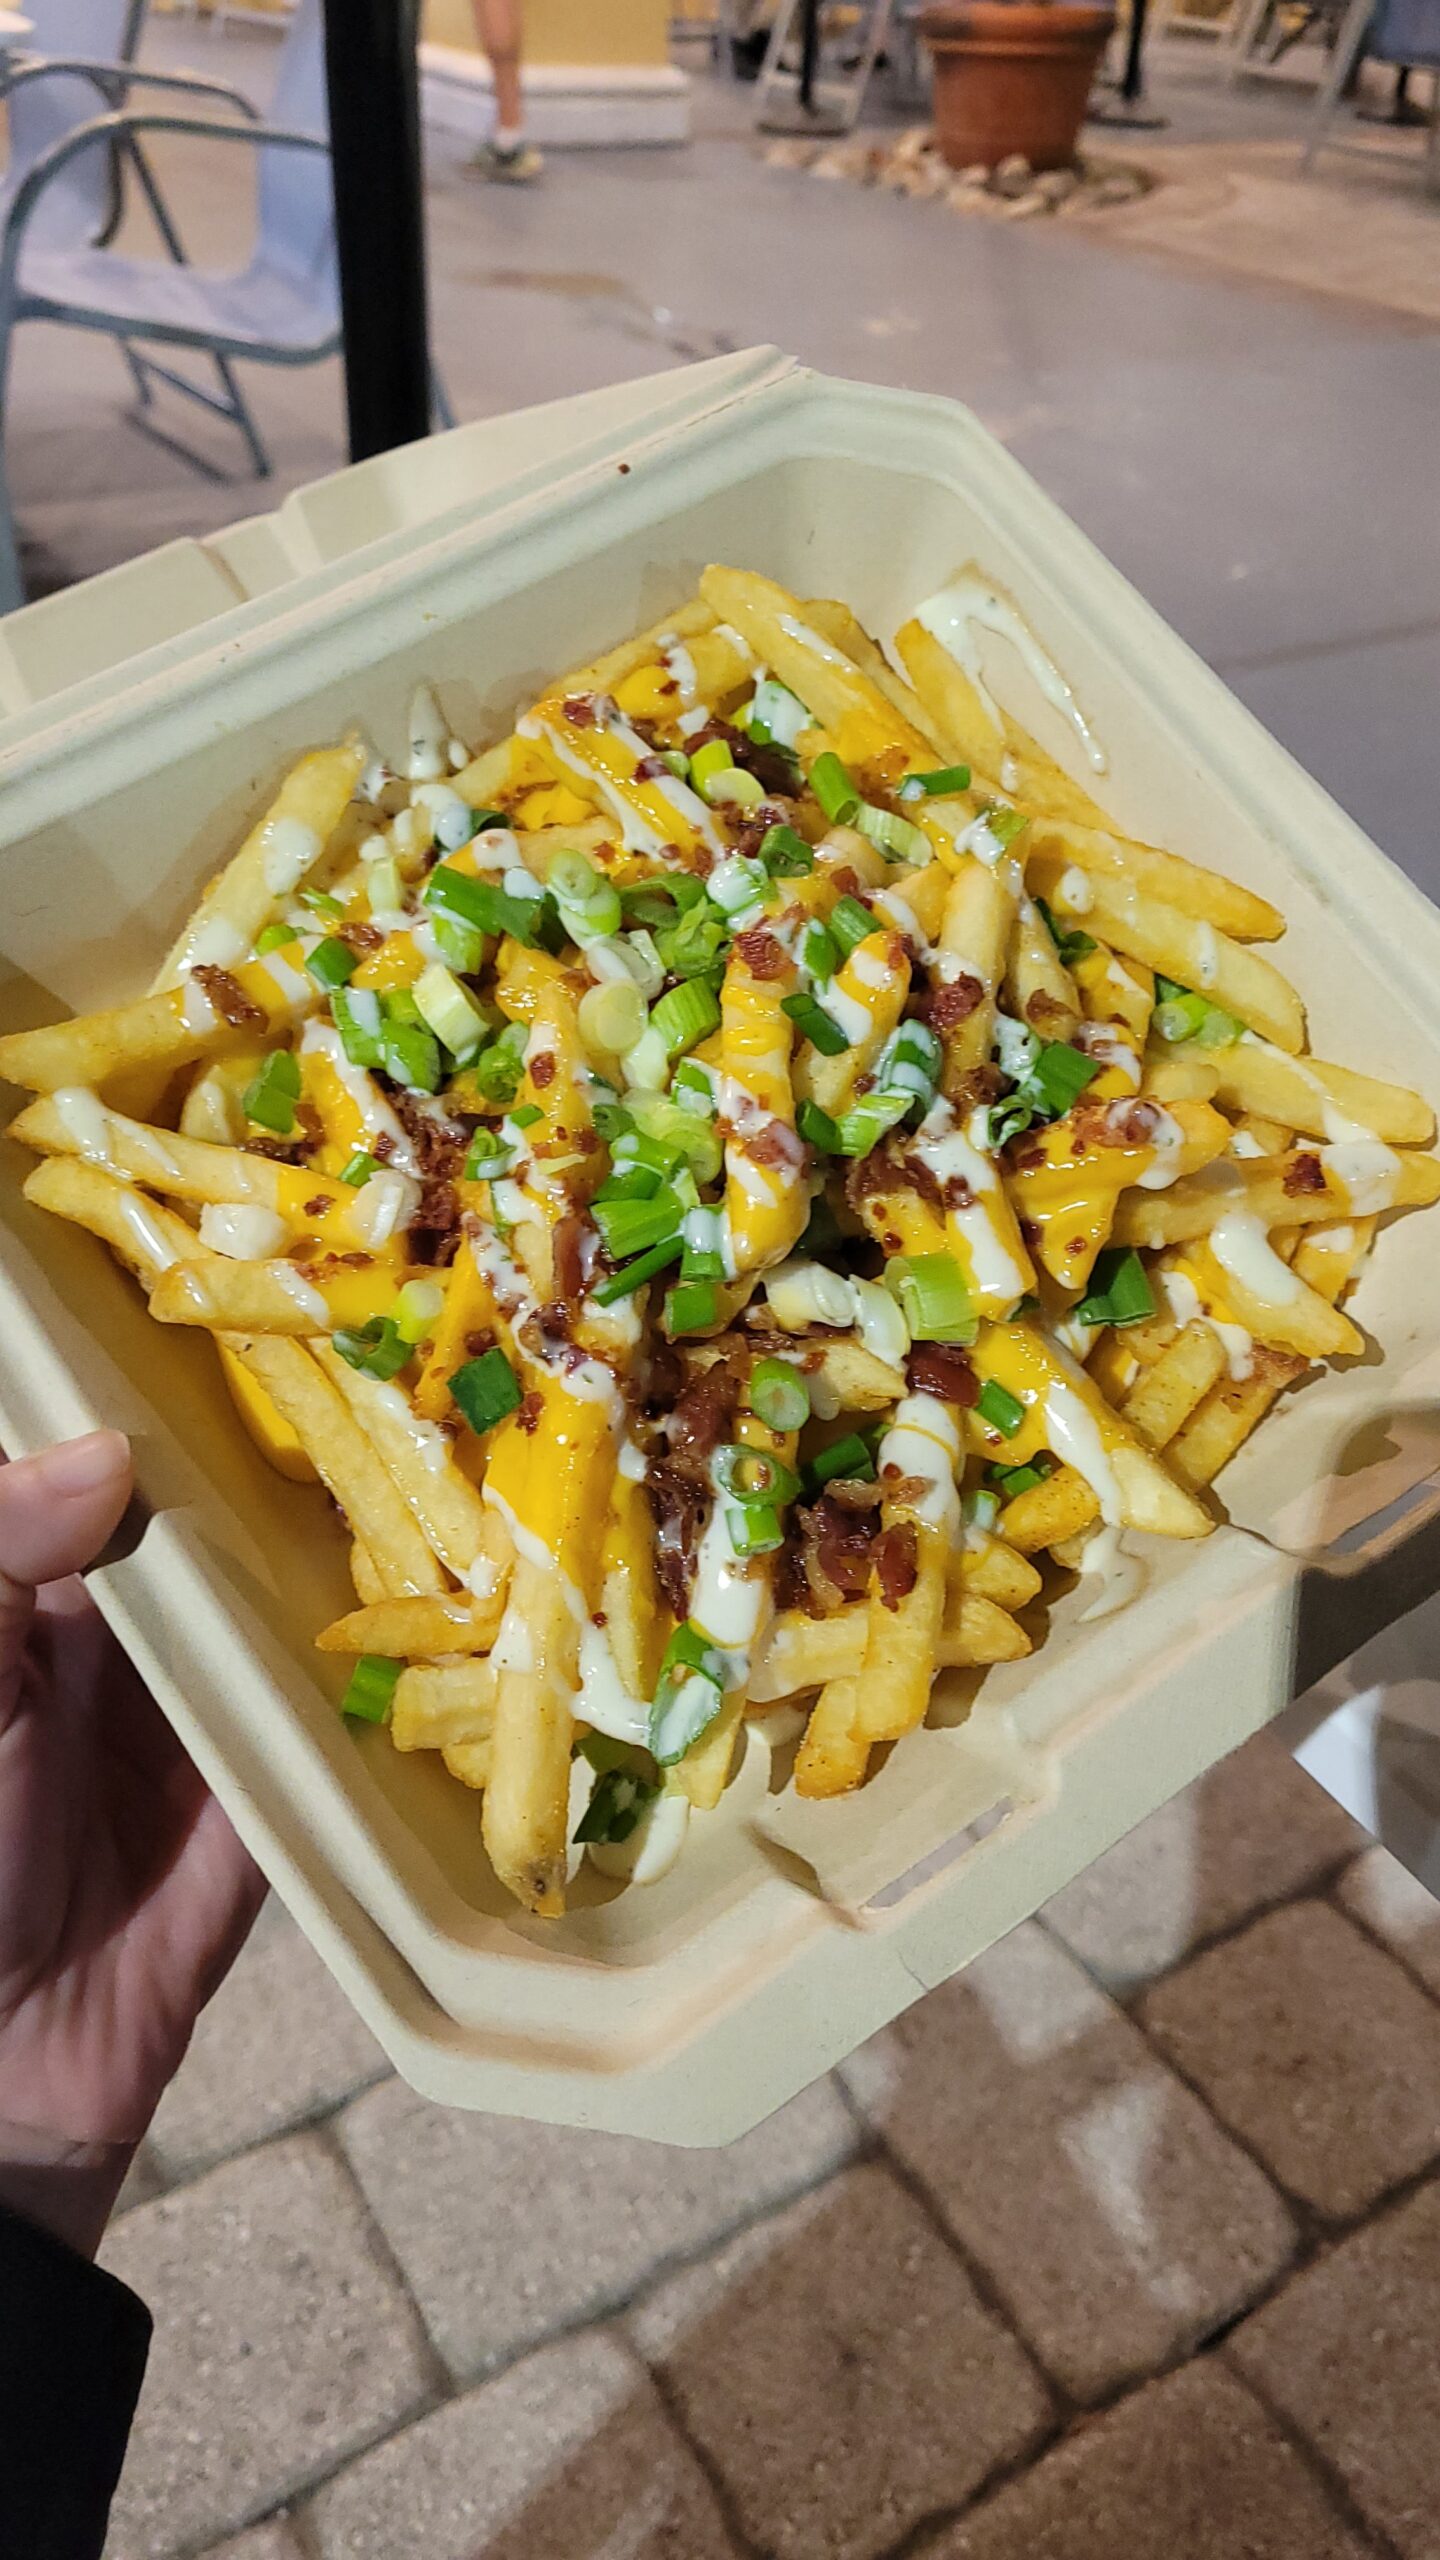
1126, 2246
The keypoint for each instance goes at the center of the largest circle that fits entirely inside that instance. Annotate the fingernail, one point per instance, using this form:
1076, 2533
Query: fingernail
79, 1466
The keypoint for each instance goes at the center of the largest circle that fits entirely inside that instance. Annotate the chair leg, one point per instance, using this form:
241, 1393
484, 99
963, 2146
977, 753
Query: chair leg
244, 417
1354, 28
228, 402
442, 411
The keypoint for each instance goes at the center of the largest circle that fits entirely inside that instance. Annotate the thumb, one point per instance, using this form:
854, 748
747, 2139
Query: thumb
56, 1511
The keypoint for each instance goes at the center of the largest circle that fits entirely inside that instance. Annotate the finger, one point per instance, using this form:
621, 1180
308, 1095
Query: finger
56, 1511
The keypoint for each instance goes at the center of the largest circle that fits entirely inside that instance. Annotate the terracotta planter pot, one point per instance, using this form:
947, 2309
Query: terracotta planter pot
1012, 76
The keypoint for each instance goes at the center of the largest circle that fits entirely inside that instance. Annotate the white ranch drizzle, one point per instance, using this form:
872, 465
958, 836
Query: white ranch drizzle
812, 640
1075, 1437
923, 1440
291, 848
654, 1845
303, 1294
146, 1232
1121, 1576
214, 942
1188, 1307
679, 666
952, 1155
603, 1701
426, 1439
1241, 1247
243, 1229
969, 603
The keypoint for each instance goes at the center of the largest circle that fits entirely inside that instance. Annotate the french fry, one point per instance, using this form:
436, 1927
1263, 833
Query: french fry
440, 1706
274, 859
1062, 1405
1309, 1094
527, 1792
416, 1630
1276, 1191
1224, 1419
991, 1570
836, 623
853, 1378
163, 1031
1038, 987
1123, 865
1293, 1318
186, 1168
272, 1297
864, 723
974, 938
872, 986
422, 1467
345, 1460
1180, 946
766, 1202
365, 1574
1058, 1507
1166, 1394
833, 1754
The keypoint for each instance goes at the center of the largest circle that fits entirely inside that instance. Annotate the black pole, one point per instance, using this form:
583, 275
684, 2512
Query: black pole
374, 87
809, 53
1132, 78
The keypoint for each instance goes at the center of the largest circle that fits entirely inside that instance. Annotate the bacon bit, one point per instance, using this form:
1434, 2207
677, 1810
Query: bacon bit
1117, 1124
542, 1069
942, 1369
775, 772
972, 1090
1075, 1246
382, 1148
325, 1262
319, 1207
1026, 1154
953, 1002
677, 1503
529, 1410
480, 1341
828, 1561
579, 710
1042, 1008
569, 1271
1303, 1174
763, 956
279, 1150
650, 769
361, 936
897, 1561
439, 1145
434, 1234
775, 1144
848, 881
228, 996
704, 1410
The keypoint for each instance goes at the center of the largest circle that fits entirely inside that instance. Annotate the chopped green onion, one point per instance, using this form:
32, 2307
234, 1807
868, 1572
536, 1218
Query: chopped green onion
331, 963
945, 779
696, 945
818, 1129
498, 1069
623, 1284
632, 1226
714, 757
859, 1130
271, 1098
1069, 941
688, 1697
933, 1297
274, 938
377, 1349
486, 1389
357, 1015
417, 1310
848, 1457
460, 944
834, 789
635, 1182
814, 1024
370, 1688
692, 1087
1120, 1291
1008, 1481
1059, 1077
384, 887
678, 1133
999, 1408
779, 1395
620, 1798
612, 1016
752, 1475
1181, 1014
899, 839
589, 904
646, 1064
412, 1053
686, 1016
756, 1529
981, 1508
483, 904
850, 924
734, 789
692, 1306
450, 1011
737, 884
779, 712
1005, 824
359, 1169
320, 903
785, 853
819, 952
525, 1115
488, 1159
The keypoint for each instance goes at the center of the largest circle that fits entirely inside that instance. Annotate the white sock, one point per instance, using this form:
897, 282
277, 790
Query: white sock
508, 137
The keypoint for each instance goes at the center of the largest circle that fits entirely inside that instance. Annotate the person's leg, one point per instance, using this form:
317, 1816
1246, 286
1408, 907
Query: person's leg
498, 28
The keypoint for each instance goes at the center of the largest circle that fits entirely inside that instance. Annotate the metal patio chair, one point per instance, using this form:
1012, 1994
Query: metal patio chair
1403, 32
281, 308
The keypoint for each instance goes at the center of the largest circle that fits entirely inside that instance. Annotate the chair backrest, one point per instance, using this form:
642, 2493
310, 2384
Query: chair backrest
41, 112
296, 203
1406, 31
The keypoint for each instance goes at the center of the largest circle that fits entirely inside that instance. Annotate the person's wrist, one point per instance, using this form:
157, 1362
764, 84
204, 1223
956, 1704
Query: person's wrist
68, 2188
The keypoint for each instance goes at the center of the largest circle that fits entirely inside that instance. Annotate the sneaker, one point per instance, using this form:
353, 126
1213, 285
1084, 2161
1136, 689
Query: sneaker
515, 166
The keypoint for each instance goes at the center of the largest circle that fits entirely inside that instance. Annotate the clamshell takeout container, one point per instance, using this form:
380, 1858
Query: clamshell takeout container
145, 717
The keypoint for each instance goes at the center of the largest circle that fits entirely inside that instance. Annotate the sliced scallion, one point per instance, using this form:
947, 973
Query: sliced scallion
686, 1016
270, 1099
486, 1389
933, 1297
331, 963
1119, 1292
779, 1395
899, 839
834, 789
370, 1688
997, 1406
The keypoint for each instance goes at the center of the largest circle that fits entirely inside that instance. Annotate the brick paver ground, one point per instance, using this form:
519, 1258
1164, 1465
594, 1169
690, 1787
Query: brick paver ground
1036, 2277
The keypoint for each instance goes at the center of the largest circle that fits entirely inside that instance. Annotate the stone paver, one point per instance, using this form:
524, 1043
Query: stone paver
1388, 1901
840, 2372
568, 2455
1115, 2220
507, 2232
1254, 1829
264, 2542
1350, 2354
1317, 2049
1190, 2468
280, 2344
278, 2043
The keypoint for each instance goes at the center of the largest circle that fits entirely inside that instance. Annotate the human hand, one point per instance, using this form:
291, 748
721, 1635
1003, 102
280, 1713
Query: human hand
124, 1893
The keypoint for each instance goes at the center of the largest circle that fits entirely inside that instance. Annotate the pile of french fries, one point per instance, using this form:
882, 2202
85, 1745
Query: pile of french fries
728, 1189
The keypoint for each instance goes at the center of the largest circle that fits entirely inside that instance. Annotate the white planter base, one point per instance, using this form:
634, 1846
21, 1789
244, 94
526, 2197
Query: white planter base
569, 106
